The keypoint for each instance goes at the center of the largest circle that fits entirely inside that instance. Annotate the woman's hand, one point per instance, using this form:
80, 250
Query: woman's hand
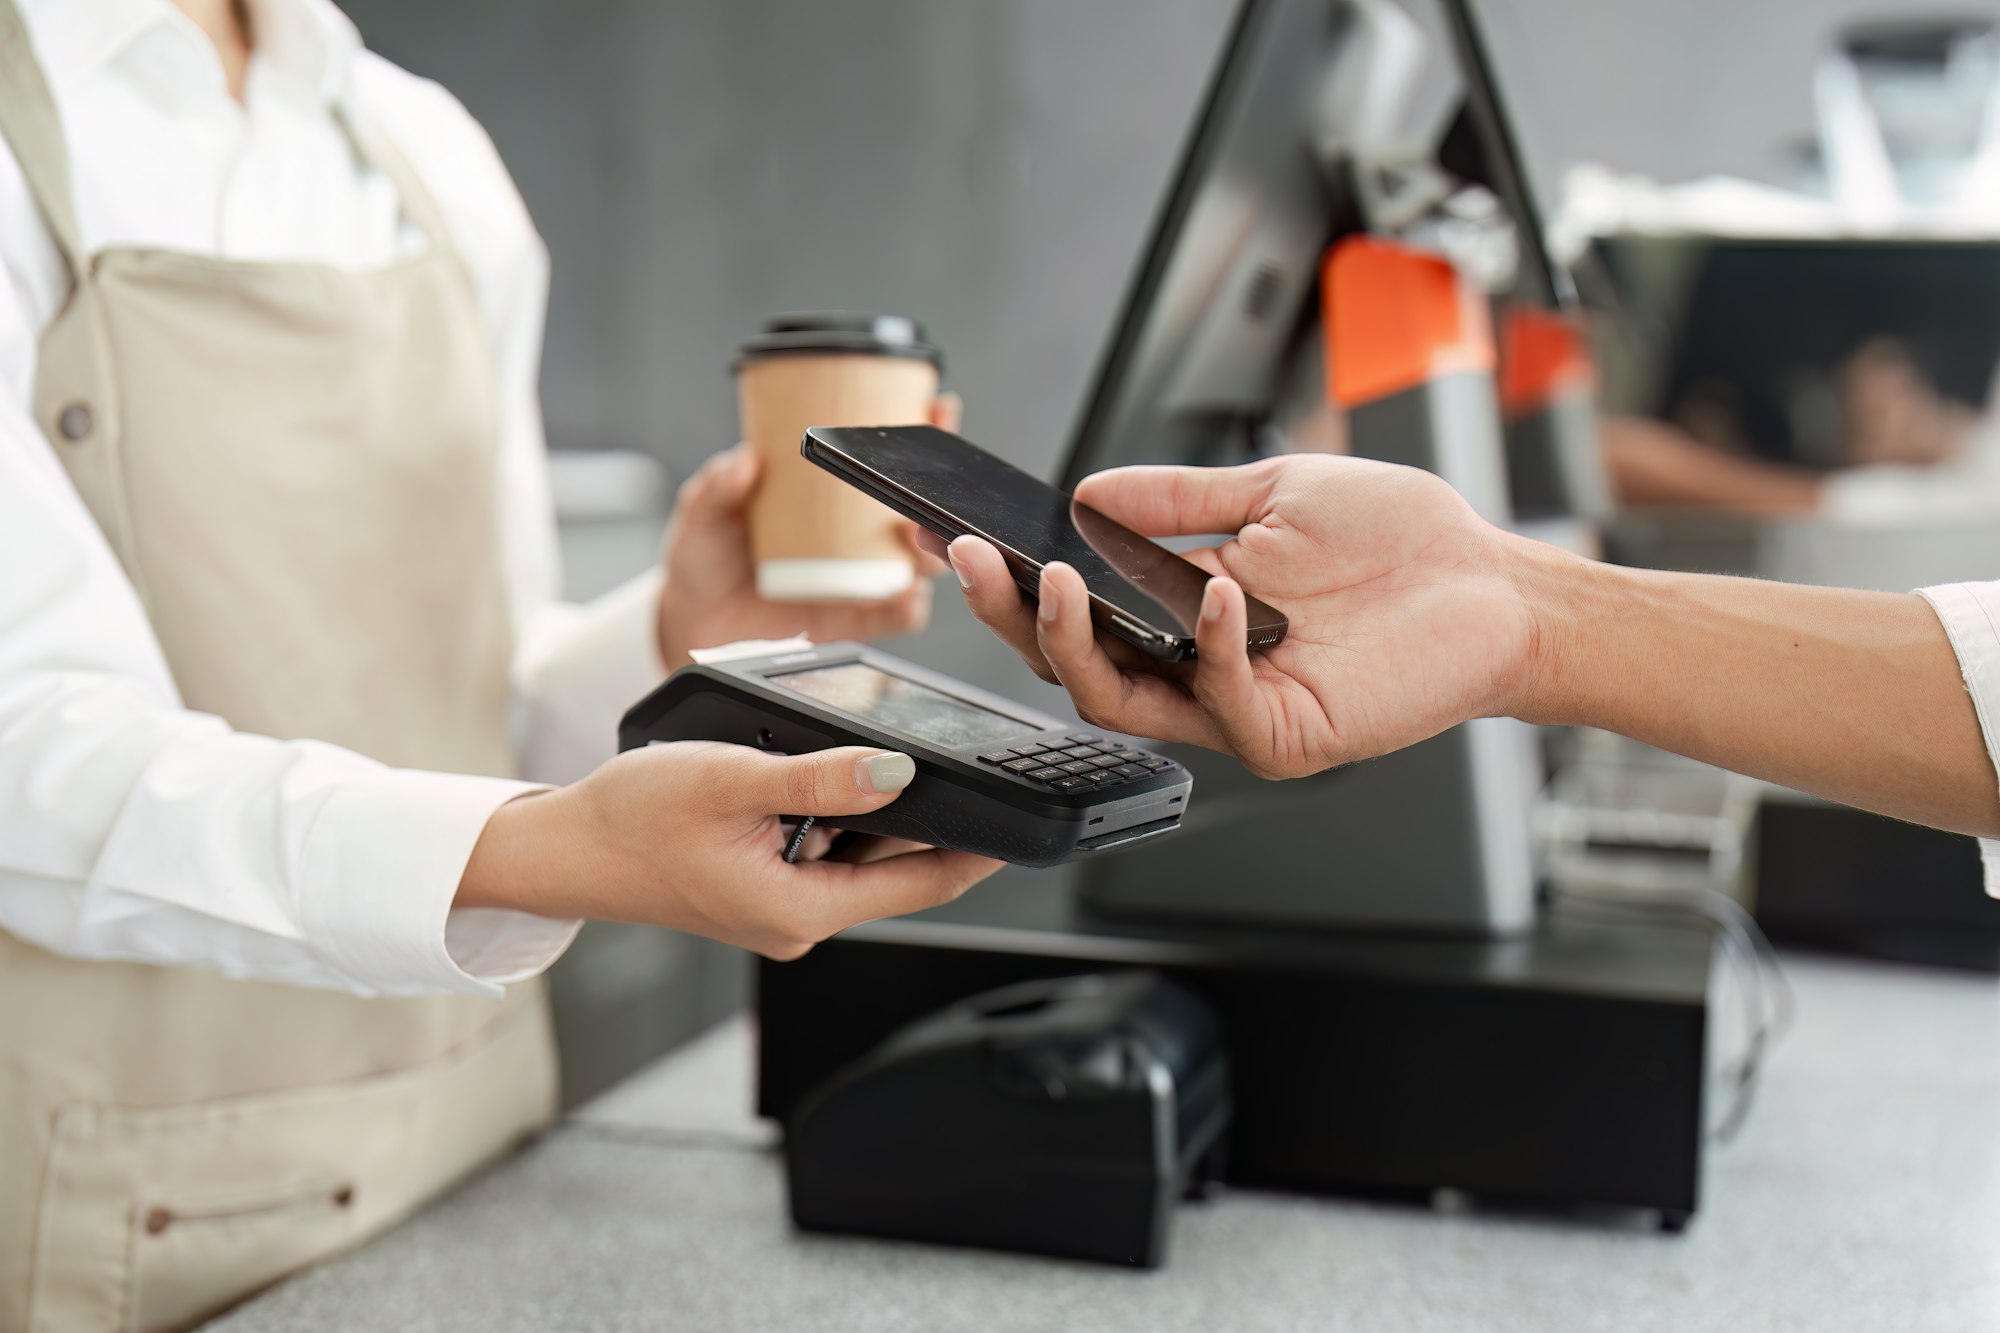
1407, 612
710, 596
687, 836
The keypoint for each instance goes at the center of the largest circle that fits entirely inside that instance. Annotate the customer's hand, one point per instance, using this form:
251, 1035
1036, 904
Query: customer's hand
1407, 612
710, 596
687, 836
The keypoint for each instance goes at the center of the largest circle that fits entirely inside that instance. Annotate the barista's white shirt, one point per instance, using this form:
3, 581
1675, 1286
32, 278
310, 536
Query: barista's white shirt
131, 828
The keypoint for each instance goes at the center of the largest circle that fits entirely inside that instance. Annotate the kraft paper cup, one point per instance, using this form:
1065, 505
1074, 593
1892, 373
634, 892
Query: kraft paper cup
814, 537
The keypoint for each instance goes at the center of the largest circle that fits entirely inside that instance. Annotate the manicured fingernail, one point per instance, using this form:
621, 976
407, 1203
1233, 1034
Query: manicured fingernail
1047, 596
1211, 602
957, 566
884, 772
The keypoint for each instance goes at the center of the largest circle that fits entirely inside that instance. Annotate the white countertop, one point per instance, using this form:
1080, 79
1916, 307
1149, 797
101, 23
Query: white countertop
1863, 1195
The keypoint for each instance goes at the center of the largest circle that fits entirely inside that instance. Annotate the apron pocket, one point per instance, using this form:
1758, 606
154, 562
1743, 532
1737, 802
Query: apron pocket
186, 1249
153, 1217
156, 1218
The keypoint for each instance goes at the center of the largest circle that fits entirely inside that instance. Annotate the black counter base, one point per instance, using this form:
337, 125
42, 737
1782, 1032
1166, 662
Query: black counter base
1843, 880
1563, 1068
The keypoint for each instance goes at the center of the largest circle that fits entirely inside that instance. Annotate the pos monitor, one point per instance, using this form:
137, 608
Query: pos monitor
1217, 325
1223, 301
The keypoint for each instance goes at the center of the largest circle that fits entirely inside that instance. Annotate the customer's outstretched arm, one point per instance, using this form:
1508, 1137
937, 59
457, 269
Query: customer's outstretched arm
1410, 614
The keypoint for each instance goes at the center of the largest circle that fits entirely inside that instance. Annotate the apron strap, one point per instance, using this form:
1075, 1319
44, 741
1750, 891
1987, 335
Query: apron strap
29, 124
375, 149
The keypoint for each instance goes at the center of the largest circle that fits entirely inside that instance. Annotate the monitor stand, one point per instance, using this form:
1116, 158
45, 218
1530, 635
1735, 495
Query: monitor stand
1434, 839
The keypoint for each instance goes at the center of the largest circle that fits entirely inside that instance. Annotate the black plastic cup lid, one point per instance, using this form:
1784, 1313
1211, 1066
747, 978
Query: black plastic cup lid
821, 332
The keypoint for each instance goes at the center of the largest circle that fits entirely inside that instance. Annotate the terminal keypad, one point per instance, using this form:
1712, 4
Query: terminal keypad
1078, 762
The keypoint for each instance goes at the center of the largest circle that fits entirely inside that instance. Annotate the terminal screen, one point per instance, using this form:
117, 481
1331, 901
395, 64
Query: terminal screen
903, 706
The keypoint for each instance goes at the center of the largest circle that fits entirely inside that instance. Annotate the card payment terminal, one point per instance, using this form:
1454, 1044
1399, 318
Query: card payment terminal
993, 777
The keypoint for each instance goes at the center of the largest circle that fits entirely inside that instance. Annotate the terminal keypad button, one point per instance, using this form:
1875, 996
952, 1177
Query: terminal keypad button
1078, 762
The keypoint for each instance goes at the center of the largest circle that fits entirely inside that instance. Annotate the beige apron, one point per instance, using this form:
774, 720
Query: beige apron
296, 467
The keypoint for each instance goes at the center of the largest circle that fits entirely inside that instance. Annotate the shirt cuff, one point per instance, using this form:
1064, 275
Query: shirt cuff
382, 864
1989, 861
581, 668
1967, 612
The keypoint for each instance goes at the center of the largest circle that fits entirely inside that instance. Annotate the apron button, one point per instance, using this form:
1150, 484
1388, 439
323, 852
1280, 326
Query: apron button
74, 423
343, 1197
158, 1220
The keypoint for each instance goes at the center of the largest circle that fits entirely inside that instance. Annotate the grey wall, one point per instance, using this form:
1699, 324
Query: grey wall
988, 167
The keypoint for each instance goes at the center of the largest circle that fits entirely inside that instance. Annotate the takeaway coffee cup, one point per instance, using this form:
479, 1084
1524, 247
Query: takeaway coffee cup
814, 537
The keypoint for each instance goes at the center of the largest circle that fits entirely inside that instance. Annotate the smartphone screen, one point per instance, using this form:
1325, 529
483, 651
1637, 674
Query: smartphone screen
967, 490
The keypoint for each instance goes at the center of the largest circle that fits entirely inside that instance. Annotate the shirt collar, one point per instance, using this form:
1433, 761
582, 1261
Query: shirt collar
308, 46
72, 40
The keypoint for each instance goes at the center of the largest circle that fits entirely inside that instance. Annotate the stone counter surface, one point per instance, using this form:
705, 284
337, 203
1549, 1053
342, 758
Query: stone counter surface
1863, 1195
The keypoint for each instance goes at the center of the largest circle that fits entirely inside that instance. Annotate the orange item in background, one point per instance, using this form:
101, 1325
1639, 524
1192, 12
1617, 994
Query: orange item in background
1542, 358
1397, 318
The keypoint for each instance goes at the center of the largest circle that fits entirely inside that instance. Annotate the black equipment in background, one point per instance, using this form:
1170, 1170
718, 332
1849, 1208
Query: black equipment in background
1565, 1069
1063, 1117
1753, 334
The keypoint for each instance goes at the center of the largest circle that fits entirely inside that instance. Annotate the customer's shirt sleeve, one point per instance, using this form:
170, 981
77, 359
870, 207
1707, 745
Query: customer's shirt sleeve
1971, 616
134, 829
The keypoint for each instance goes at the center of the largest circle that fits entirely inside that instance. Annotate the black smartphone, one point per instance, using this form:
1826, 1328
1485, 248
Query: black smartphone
1139, 590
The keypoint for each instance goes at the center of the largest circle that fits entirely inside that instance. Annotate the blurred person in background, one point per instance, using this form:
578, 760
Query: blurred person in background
278, 631
1907, 451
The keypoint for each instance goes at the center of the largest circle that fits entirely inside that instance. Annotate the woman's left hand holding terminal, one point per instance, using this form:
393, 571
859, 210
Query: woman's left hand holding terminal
688, 835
